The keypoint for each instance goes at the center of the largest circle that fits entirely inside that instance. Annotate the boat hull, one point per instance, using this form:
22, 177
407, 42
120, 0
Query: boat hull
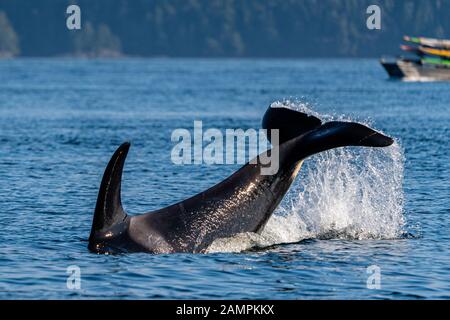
392, 69
413, 71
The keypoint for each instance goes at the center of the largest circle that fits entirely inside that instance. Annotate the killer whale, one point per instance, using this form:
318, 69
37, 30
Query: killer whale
243, 202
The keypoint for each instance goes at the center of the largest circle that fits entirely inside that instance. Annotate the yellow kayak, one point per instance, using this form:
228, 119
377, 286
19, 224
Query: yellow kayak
435, 52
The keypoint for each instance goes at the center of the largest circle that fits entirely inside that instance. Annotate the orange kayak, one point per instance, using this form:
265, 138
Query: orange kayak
435, 52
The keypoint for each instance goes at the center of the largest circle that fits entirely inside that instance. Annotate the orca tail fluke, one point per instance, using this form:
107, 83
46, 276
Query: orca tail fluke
312, 136
289, 123
108, 210
337, 134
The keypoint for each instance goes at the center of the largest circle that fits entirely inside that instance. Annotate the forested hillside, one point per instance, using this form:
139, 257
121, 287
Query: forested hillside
216, 28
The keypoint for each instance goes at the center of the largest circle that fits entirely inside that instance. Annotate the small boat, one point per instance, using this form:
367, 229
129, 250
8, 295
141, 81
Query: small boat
430, 61
421, 70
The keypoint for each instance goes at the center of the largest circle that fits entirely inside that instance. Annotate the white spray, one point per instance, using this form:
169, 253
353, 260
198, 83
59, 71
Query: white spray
344, 193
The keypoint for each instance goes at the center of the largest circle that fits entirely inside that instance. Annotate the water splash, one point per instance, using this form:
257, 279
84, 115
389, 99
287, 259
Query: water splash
345, 193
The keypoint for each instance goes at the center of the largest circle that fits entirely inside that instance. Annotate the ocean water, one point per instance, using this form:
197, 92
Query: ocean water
351, 211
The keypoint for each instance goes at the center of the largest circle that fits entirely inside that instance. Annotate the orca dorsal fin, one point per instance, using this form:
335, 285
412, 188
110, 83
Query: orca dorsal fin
290, 123
108, 210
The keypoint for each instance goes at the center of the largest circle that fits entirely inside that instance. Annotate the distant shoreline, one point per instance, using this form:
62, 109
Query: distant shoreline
131, 57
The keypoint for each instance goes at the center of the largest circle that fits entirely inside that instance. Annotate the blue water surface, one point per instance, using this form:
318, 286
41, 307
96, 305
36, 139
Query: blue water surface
61, 119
